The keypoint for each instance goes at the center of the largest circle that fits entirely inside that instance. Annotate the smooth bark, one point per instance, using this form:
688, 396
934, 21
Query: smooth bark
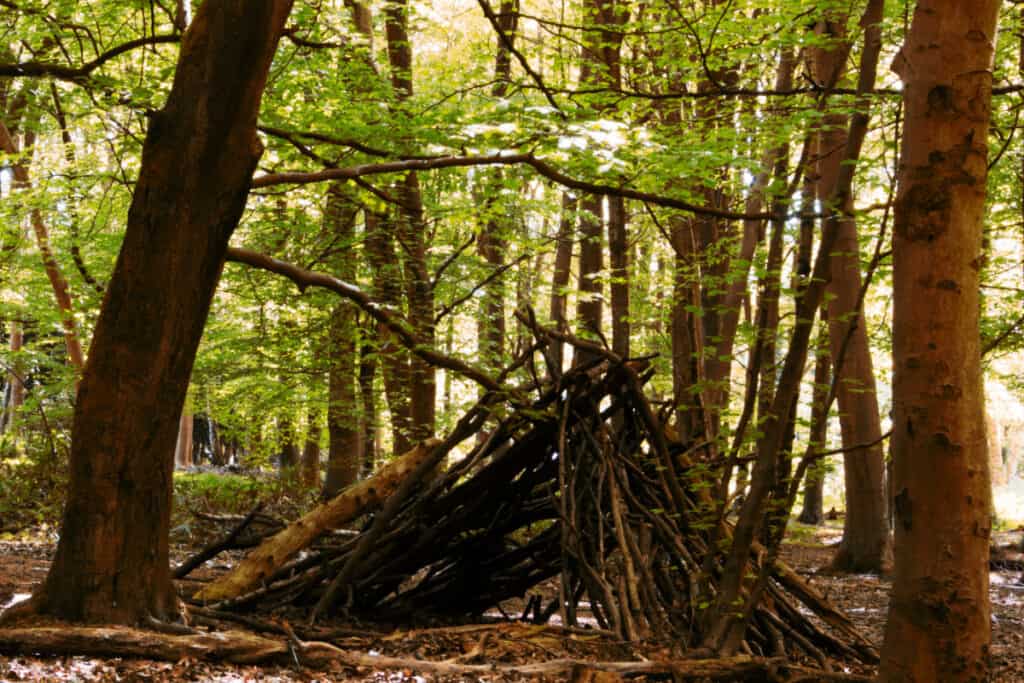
939, 628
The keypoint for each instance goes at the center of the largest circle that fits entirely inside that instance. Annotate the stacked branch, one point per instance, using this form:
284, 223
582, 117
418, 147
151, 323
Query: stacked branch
582, 483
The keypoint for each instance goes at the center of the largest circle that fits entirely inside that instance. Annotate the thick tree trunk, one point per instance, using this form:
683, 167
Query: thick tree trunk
411, 231
344, 456
938, 628
111, 563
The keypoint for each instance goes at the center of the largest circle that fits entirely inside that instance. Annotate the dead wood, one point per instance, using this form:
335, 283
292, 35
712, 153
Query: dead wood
583, 482
213, 549
356, 500
239, 647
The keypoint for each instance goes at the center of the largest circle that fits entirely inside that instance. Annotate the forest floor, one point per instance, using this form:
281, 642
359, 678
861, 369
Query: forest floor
23, 564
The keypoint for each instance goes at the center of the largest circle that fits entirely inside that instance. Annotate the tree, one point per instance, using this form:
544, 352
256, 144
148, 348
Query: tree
865, 545
111, 563
938, 628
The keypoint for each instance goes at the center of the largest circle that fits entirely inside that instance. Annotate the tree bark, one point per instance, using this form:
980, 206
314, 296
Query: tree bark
183, 448
344, 429
866, 544
310, 465
813, 511
938, 628
560, 277
111, 563
491, 243
58, 282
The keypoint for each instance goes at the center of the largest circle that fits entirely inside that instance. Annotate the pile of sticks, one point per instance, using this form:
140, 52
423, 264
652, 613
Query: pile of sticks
582, 483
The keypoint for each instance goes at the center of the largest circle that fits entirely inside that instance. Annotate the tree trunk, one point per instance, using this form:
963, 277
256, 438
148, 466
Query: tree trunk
866, 545
368, 400
111, 562
344, 457
411, 231
387, 285
814, 482
560, 276
599, 66
618, 256
58, 282
491, 244
183, 448
309, 475
938, 628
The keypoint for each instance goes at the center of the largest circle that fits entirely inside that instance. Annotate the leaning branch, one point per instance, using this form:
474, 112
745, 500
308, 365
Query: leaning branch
34, 69
307, 278
502, 159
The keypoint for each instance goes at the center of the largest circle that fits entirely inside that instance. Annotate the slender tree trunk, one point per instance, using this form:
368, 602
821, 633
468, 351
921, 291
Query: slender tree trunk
309, 474
814, 481
590, 299
866, 544
16, 377
368, 400
938, 628
618, 255
344, 457
411, 231
111, 563
183, 448
58, 283
560, 277
491, 243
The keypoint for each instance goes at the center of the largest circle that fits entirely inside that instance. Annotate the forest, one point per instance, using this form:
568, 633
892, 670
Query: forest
581, 340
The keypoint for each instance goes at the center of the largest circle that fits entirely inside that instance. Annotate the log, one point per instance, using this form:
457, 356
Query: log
240, 647
354, 501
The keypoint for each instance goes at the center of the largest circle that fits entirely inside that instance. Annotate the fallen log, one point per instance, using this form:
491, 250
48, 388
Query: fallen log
362, 497
240, 647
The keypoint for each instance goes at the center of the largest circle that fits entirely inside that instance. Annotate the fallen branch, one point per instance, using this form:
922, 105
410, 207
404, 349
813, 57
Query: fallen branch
357, 499
217, 547
240, 647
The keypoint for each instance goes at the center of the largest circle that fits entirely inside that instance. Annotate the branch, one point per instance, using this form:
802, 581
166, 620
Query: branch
34, 69
306, 278
494, 274
992, 344
506, 42
502, 159
293, 136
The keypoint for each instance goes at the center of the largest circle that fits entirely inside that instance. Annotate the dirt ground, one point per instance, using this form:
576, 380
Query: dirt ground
23, 564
